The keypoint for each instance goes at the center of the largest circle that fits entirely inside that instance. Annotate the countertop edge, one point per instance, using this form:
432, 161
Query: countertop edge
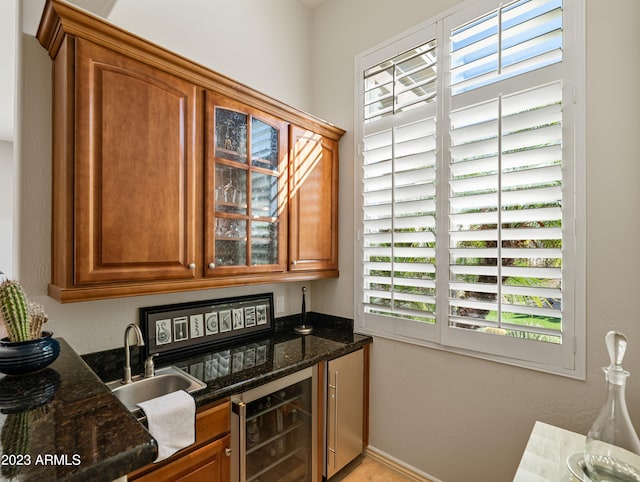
127, 462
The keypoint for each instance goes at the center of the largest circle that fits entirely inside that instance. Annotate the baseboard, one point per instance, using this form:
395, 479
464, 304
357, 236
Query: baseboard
398, 466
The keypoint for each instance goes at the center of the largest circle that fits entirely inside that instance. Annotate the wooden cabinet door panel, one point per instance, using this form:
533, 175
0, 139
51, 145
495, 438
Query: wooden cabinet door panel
313, 229
135, 179
210, 463
246, 234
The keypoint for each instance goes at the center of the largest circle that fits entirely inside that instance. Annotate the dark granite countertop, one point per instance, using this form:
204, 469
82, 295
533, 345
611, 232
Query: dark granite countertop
63, 424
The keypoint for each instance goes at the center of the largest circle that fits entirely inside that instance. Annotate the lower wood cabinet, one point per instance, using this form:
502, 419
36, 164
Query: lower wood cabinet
208, 463
208, 459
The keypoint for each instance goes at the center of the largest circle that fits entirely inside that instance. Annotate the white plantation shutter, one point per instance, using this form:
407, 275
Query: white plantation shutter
517, 38
398, 190
399, 218
404, 82
505, 161
505, 215
468, 182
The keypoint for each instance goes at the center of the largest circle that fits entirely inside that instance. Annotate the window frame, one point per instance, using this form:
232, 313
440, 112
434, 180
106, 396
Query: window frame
571, 362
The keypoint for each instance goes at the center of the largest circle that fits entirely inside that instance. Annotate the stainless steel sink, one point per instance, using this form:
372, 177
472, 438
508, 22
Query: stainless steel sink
166, 380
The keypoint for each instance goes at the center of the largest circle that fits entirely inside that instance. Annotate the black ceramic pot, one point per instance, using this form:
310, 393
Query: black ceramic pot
22, 357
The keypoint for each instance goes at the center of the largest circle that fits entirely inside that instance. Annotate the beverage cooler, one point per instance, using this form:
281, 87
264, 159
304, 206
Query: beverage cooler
273, 429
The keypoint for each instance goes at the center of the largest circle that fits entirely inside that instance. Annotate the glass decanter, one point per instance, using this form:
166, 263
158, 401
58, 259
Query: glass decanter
612, 449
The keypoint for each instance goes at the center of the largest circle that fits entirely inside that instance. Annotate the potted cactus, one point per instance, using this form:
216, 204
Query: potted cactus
23, 320
27, 348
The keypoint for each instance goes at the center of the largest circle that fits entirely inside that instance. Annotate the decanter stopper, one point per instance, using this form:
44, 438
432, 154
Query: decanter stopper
612, 449
616, 346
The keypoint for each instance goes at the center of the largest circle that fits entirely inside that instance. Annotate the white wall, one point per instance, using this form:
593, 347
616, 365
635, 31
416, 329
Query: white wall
264, 45
8, 17
6, 208
271, 54
7, 73
466, 420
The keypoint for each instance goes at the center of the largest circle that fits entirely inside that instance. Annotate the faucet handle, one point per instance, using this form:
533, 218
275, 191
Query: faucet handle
149, 367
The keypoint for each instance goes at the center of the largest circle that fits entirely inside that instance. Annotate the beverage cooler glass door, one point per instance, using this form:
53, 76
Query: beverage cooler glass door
274, 429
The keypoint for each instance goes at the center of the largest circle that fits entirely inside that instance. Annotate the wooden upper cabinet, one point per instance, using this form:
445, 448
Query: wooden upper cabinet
167, 176
313, 206
136, 170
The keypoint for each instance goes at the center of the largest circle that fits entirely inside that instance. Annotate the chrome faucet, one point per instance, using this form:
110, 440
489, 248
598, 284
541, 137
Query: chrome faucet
127, 355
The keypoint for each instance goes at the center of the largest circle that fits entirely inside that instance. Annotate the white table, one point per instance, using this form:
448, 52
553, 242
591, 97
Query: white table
544, 458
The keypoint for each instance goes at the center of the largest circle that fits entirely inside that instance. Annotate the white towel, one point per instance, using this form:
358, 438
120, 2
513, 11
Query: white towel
172, 422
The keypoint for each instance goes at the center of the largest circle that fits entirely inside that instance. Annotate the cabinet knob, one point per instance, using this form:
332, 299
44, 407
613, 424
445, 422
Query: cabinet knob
227, 452
212, 265
192, 266
294, 262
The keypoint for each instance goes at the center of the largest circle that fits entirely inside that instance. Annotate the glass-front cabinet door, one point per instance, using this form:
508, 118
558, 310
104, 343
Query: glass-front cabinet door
246, 189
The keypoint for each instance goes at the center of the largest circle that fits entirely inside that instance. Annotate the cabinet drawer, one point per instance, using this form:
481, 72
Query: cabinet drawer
213, 421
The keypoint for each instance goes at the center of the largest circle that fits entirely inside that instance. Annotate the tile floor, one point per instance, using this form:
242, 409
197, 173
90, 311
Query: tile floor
365, 469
